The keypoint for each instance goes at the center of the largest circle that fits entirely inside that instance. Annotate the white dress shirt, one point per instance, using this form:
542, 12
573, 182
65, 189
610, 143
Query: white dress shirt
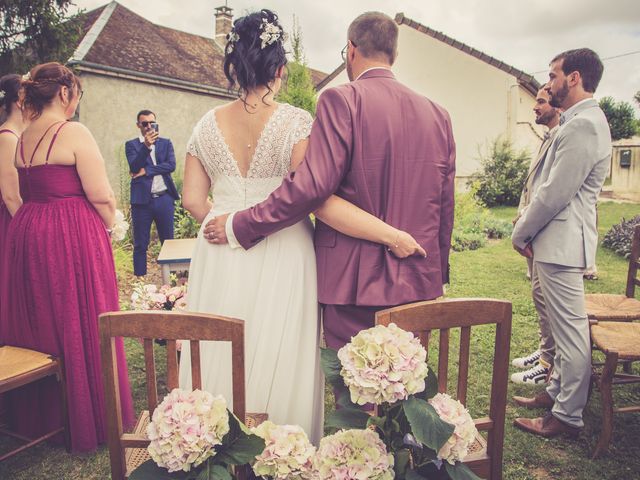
158, 184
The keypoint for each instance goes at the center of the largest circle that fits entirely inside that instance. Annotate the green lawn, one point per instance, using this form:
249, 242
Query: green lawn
495, 271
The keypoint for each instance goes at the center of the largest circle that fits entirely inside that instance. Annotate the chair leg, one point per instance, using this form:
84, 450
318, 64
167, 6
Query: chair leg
626, 367
606, 381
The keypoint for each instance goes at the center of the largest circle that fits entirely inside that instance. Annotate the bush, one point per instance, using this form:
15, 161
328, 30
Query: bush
185, 226
619, 237
473, 224
504, 171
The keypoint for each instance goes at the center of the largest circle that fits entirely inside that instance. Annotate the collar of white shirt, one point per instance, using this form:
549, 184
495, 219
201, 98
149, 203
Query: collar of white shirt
372, 68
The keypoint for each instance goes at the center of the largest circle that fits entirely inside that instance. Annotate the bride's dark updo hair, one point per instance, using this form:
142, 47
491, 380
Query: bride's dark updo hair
254, 51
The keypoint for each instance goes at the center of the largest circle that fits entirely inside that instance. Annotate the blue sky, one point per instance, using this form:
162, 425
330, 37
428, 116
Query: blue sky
523, 34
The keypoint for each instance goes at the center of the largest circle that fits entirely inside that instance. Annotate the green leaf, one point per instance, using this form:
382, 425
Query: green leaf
426, 424
413, 475
431, 384
347, 418
219, 473
331, 367
401, 462
460, 471
150, 471
238, 447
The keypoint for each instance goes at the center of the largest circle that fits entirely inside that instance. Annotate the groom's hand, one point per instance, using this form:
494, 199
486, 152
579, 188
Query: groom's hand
215, 230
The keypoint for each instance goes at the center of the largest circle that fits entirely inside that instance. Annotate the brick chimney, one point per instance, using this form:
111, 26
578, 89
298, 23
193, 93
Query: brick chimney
224, 22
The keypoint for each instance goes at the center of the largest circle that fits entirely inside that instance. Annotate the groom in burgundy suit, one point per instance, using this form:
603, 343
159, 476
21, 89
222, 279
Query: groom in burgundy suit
386, 149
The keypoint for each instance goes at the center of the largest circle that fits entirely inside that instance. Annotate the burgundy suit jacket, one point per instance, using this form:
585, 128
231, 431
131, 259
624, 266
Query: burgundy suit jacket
390, 151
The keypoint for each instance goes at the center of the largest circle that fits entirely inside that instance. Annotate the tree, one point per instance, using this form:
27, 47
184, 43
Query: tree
621, 118
299, 90
637, 97
36, 31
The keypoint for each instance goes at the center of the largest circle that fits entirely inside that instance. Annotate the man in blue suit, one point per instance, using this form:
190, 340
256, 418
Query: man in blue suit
153, 193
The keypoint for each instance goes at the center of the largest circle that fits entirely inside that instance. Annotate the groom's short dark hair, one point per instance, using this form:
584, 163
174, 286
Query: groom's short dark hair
375, 35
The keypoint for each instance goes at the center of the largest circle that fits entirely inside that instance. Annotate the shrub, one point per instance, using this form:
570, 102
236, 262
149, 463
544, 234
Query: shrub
619, 237
473, 224
503, 174
185, 226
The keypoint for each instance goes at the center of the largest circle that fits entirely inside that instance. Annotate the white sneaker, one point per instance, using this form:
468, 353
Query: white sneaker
527, 362
533, 376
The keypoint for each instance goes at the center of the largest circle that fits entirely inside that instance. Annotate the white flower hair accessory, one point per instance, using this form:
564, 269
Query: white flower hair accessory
1, 95
26, 76
232, 38
270, 33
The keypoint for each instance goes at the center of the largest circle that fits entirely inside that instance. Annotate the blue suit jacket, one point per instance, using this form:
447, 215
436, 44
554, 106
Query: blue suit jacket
139, 156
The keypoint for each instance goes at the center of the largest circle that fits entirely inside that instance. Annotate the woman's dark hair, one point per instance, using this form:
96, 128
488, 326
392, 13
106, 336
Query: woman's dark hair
43, 84
251, 60
9, 91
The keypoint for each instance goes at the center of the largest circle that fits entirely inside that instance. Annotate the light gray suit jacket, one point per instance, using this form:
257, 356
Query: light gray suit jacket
560, 221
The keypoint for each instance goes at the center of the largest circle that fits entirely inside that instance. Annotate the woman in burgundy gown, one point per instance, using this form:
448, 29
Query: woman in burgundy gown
59, 270
11, 126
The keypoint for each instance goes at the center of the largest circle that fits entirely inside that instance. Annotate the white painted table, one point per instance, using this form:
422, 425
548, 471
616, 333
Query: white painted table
175, 255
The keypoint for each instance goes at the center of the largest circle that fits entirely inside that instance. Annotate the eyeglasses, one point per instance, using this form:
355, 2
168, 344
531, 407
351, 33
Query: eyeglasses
146, 124
344, 51
80, 95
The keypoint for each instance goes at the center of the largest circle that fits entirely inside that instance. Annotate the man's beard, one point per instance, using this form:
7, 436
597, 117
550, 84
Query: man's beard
560, 96
545, 118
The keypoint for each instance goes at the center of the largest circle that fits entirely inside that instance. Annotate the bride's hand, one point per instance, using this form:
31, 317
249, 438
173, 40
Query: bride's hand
405, 246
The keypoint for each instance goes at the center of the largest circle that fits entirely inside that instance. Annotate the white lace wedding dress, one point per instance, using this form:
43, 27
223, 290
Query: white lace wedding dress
272, 286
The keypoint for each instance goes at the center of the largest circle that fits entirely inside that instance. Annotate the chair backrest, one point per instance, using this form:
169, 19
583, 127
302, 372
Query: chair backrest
422, 318
170, 326
634, 264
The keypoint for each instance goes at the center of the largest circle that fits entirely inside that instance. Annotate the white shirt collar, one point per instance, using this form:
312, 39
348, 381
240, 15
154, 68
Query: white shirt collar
372, 68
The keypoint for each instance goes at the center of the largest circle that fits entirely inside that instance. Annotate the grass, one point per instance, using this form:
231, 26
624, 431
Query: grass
494, 271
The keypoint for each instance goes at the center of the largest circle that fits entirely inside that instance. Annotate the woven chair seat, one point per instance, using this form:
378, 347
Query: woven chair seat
616, 337
608, 307
15, 361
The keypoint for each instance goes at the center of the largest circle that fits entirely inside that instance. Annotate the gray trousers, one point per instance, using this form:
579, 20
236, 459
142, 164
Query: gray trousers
563, 291
547, 345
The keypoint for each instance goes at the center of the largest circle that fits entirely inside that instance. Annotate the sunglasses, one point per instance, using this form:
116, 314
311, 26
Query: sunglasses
147, 124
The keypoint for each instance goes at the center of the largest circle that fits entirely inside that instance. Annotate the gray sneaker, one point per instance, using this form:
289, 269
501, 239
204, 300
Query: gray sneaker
533, 376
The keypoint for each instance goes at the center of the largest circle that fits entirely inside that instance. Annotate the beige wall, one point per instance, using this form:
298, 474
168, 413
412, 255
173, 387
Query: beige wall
625, 182
109, 107
483, 101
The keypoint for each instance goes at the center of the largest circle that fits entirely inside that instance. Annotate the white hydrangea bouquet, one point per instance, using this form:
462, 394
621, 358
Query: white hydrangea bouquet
427, 434
195, 437
288, 454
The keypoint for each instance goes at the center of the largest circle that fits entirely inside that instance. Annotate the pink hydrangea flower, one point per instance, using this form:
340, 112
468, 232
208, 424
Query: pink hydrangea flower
383, 364
287, 454
185, 428
453, 412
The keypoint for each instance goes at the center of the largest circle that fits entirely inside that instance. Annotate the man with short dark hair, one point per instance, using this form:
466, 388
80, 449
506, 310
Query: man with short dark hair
386, 149
537, 365
151, 161
559, 225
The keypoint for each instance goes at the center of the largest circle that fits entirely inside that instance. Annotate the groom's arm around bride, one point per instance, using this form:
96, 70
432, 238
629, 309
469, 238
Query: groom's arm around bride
385, 149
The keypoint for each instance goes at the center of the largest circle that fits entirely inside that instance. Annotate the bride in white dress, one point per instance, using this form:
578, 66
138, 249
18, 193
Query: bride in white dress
239, 153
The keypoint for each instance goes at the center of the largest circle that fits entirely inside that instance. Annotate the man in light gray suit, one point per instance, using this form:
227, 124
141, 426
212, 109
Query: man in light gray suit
559, 225
537, 365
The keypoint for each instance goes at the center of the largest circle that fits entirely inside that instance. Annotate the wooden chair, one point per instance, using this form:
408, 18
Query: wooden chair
619, 342
421, 318
129, 450
619, 308
19, 367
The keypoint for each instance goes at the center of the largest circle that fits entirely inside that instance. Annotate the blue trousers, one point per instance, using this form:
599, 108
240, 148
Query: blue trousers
159, 210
